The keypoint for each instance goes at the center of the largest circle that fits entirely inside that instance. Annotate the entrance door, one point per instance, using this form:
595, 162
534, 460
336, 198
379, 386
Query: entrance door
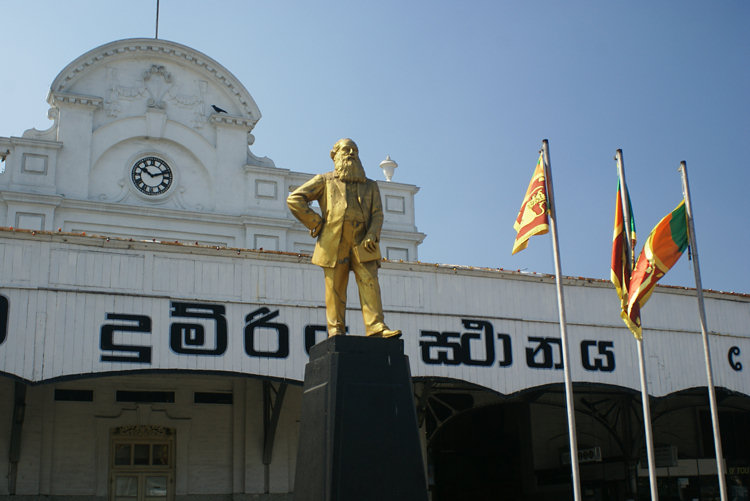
142, 466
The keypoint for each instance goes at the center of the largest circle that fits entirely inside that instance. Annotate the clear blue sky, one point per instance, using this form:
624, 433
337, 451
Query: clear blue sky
461, 94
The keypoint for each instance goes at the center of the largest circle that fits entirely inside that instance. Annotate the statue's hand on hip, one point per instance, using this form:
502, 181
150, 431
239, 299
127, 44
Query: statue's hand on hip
316, 231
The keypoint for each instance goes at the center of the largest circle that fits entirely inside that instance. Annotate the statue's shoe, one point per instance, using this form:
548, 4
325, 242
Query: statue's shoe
387, 334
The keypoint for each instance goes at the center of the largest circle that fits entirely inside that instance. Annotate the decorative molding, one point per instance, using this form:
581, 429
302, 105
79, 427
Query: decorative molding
34, 164
57, 98
253, 222
142, 431
397, 253
116, 92
269, 170
163, 48
403, 236
188, 99
50, 133
155, 90
266, 189
393, 186
197, 102
27, 199
31, 142
232, 120
254, 162
30, 220
396, 204
158, 94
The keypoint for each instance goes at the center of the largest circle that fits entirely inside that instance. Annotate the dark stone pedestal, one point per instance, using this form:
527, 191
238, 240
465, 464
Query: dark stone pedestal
359, 439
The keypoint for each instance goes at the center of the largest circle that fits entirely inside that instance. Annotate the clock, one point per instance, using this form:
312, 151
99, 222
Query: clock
152, 176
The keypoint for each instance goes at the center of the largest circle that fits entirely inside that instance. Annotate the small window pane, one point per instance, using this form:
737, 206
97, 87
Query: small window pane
126, 487
122, 454
160, 454
140, 455
156, 487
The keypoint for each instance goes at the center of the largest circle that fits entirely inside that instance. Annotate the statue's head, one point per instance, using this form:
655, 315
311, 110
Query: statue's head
345, 156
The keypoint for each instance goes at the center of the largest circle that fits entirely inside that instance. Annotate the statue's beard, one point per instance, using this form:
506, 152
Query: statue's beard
350, 170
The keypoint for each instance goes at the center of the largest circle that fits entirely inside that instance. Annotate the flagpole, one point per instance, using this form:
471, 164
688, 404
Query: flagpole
563, 334
156, 33
704, 333
641, 364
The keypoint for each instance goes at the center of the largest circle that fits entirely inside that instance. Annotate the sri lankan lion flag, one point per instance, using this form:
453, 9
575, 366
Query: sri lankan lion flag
532, 217
622, 264
666, 243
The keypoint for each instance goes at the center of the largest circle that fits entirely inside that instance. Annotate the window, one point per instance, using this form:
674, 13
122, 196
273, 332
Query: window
63, 395
145, 396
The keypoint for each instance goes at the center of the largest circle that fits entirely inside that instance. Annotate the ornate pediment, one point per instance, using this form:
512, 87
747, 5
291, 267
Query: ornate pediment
159, 74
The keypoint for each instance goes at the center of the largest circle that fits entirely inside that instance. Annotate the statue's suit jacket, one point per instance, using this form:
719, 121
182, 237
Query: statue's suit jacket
330, 193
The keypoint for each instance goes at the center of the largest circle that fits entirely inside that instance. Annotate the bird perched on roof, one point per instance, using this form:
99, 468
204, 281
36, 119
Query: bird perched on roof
217, 109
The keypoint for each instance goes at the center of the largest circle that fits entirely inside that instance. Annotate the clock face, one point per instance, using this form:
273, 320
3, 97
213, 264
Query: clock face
152, 176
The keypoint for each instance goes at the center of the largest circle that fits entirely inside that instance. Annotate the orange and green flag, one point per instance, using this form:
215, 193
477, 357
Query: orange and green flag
532, 217
666, 243
622, 264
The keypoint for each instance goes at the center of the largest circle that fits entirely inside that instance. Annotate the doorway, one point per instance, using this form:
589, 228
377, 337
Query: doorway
142, 464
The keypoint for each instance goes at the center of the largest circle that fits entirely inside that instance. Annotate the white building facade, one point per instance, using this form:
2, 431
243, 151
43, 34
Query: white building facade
157, 304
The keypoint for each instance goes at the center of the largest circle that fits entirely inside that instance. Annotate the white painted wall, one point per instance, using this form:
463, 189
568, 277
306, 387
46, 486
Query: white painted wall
218, 447
491, 328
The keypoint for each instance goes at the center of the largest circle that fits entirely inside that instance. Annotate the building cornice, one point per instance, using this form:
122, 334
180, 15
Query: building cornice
413, 189
410, 236
14, 141
31, 198
104, 241
271, 171
58, 98
231, 120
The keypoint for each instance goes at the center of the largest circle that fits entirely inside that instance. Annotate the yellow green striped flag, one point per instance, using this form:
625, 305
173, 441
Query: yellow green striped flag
666, 243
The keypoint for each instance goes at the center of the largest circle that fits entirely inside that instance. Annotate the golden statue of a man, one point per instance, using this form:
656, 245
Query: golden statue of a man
348, 233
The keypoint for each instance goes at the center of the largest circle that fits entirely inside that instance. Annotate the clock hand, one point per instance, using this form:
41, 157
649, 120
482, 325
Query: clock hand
153, 175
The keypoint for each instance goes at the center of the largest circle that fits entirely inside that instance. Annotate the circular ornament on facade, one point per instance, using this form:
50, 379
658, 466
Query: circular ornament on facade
151, 176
